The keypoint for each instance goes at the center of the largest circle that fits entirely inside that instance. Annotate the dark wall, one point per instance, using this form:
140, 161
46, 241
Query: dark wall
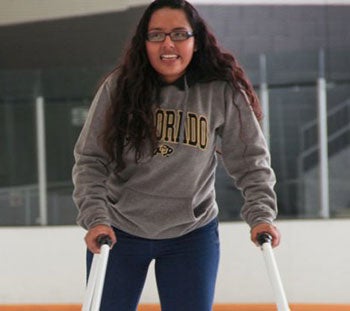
99, 39
254, 29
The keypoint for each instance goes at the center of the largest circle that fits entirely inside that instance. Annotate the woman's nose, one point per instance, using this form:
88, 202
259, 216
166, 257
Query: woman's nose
167, 41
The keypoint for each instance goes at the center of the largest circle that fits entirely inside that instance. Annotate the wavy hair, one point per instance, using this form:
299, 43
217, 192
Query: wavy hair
130, 119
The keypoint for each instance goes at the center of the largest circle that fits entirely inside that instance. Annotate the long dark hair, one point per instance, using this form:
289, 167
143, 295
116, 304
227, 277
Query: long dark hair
130, 121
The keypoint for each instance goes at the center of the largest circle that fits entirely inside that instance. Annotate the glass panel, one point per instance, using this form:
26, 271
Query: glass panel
292, 110
68, 94
292, 83
339, 148
229, 199
18, 174
64, 120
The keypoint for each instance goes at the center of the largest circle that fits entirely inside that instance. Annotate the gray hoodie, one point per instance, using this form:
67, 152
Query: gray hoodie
172, 192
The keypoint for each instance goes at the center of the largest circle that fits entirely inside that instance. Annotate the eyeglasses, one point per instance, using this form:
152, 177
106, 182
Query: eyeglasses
159, 36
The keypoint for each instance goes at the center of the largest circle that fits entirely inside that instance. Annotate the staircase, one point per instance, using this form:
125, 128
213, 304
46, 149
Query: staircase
338, 119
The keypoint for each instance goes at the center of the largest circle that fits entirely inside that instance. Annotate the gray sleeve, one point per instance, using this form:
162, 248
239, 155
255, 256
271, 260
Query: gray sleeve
90, 171
247, 160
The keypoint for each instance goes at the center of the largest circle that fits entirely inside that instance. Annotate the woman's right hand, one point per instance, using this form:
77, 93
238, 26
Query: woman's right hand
95, 232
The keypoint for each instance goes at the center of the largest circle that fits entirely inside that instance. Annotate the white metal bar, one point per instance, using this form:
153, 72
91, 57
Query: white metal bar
90, 288
323, 137
104, 251
41, 159
275, 278
94, 289
264, 98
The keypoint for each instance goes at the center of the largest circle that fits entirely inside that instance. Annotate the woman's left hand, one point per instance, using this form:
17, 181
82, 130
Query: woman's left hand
265, 228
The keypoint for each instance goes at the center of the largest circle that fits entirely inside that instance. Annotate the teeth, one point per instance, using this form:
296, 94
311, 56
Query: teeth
169, 56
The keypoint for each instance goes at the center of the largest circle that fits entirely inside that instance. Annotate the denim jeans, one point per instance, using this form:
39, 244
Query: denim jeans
185, 267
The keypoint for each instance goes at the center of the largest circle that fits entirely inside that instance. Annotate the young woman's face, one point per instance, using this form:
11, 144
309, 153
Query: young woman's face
170, 58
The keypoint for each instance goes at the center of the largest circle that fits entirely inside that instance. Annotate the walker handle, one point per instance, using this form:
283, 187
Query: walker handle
104, 239
264, 238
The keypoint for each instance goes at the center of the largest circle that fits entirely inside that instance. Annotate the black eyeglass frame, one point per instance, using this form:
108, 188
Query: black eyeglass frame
171, 34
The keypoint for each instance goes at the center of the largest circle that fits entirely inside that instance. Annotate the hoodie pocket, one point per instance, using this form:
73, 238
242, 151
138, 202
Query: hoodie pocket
154, 214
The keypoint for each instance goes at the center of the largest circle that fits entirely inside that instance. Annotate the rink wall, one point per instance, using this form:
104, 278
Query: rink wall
45, 265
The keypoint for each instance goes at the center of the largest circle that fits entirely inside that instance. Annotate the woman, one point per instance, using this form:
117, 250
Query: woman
146, 158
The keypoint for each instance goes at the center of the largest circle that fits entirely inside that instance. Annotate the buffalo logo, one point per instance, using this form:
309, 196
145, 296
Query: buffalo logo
163, 150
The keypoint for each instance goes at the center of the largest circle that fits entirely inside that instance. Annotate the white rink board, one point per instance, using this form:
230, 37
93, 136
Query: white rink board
47, 265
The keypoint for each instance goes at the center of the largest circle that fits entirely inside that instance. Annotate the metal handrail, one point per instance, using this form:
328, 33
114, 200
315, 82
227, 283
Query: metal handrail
344, 105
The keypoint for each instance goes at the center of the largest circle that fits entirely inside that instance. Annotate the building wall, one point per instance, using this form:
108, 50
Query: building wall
247, 30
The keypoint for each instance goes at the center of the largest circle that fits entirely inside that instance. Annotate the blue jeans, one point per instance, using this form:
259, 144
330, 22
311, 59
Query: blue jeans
185, 267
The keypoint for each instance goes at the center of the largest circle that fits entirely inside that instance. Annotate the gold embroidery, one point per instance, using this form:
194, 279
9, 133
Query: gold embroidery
168, 127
